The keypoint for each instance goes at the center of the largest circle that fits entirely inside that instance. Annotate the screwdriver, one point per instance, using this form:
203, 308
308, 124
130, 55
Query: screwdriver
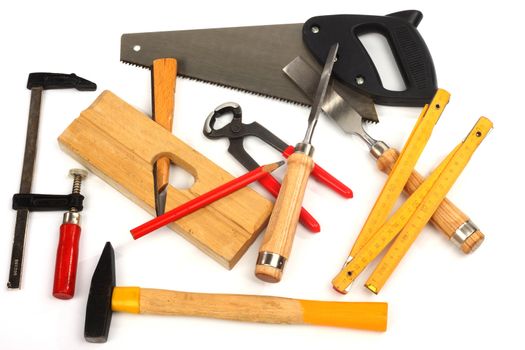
278, 239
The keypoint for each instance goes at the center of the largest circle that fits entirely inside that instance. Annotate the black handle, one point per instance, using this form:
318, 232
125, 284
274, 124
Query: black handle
48, 81
48, 202
354, 66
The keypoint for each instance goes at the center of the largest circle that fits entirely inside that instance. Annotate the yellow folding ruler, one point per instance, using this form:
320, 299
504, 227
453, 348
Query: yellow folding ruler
400, 173
408, 221
402, 169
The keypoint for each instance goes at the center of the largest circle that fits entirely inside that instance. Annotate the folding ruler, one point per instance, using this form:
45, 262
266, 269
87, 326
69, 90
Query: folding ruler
413, 215
402, 169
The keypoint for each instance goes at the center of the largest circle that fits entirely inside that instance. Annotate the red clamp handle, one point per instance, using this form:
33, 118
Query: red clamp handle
273, 186
325, 177
66, 262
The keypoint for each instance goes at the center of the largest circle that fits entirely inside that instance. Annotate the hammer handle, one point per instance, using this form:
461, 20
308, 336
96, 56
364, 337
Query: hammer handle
264, 309
447, 218
164, 74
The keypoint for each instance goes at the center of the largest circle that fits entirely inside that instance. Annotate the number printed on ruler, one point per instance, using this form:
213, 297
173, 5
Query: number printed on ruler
446, 176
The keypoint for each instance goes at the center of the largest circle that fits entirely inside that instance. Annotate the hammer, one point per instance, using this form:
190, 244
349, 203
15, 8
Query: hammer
36, 82
104, 298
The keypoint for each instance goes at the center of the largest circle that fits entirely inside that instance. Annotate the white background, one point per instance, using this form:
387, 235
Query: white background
437, 298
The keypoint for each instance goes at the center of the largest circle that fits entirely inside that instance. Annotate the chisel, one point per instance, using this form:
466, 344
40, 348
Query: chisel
278, 239
163, 76
448, 218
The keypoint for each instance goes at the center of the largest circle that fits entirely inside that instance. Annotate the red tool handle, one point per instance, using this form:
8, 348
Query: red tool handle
66, 263
325, 177
273, 186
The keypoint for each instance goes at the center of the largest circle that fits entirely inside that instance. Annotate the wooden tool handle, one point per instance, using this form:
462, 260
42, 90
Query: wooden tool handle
163, 74
264, 309
281, 228
447, 218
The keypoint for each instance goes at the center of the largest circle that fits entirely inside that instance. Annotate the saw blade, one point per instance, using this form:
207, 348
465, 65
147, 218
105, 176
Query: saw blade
245, 58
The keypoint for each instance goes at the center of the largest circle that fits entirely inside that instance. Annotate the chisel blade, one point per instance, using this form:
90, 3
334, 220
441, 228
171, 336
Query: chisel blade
160, 193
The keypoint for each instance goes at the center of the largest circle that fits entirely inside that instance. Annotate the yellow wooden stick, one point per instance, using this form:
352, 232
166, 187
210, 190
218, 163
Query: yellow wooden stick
402, 168
398, 177
429, 205
387, 232
413, 214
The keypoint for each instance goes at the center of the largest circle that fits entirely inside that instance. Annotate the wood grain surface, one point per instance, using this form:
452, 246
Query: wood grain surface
120, 144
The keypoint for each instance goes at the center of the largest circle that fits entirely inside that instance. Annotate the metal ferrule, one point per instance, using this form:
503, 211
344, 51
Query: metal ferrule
71, 217
378, 148
271, 259
305, 148
463, 232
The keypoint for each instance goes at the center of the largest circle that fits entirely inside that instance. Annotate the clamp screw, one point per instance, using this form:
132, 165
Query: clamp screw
78, 175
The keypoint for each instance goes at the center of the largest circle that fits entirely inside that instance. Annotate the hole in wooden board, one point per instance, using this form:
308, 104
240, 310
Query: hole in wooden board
379, 50
180, 178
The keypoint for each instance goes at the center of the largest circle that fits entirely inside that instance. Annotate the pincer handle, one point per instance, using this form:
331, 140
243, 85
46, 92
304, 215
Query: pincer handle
325, 177
307, 220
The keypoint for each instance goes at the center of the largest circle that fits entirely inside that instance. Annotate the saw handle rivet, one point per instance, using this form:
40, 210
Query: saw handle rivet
315, 29
438, 106
360, 80
478, 134
136, 48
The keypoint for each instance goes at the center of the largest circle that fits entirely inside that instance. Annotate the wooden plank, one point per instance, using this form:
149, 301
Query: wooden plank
120, 144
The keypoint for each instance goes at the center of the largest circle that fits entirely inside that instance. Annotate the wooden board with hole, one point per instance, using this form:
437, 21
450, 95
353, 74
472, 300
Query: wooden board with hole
120, 144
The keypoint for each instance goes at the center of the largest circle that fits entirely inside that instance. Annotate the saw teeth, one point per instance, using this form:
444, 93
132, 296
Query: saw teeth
213, 83
223, 85
368, 121
136, 65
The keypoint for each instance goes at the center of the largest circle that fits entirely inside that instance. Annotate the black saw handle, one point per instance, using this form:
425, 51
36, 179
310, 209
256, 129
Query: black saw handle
354, 66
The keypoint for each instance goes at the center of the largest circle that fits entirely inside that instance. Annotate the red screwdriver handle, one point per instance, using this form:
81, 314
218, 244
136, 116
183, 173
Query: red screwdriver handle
67, 260
273, 186
325, 177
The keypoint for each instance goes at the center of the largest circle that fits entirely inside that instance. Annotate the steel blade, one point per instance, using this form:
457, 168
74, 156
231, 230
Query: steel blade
348, 119
320, 92
245, 58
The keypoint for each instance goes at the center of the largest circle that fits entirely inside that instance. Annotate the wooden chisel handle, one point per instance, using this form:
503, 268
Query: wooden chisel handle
164, 74
279, 235
448, 218
251, 308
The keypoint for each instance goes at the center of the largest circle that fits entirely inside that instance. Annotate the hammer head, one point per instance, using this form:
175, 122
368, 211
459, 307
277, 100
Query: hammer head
48, 81
98, 309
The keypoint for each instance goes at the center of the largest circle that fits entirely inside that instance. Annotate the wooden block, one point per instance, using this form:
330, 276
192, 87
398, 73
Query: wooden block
120, 144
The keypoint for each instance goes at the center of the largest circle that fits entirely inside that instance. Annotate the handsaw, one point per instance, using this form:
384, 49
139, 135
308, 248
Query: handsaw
407, 222
448, 218
251, 58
